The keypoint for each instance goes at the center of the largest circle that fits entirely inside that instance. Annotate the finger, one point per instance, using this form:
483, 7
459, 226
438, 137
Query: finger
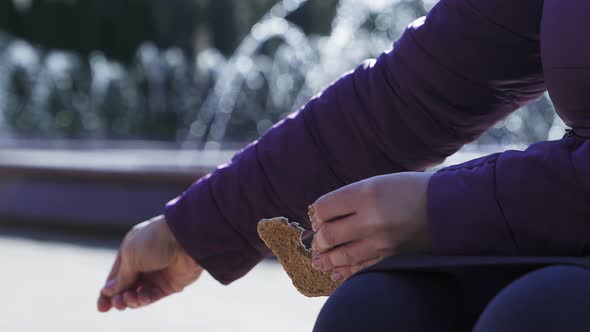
338, 232
123, 278
149, 295
335, 204
114, 269
104, 304
350, 254
118, 303
130, 299
162, 283
144, 297
321, 262
359, 267
345, 272
107, 289
150, 289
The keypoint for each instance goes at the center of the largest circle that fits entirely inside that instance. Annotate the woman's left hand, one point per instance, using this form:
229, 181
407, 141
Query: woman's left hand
362, 223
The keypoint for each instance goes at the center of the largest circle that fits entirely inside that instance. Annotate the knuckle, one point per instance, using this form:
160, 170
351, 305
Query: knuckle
369, 187
357, 269
328, 263
127, 254
378, 227
345, 272
347, 257
327, 235
366, 264
171, 286
360, 269
324, 262
130, 257
316, 209
176, 288
385, 251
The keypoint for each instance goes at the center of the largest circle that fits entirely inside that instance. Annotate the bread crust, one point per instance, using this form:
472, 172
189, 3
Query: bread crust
284, 240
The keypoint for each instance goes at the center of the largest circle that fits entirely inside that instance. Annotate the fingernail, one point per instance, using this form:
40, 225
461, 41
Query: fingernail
109, 285
311, 214
313, 246
316, 264
336, 276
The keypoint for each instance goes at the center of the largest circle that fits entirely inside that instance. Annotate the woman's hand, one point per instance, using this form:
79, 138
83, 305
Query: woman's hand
360, 224
149, 266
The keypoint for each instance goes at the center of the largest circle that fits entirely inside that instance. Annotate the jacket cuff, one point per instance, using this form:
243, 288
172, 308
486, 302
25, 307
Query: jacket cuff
198, 225
464, 215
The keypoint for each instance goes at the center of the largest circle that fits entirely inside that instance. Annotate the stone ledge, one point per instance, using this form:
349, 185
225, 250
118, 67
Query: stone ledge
96, 186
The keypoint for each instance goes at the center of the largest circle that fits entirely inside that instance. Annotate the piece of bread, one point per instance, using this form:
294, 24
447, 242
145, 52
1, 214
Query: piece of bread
284, 239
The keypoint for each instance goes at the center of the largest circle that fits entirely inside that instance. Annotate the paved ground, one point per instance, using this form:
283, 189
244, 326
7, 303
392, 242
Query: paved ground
49, 282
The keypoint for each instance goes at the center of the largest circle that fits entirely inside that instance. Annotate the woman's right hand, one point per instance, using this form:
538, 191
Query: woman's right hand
150, 265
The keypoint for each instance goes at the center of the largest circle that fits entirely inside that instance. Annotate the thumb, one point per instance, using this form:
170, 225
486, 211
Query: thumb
122, 277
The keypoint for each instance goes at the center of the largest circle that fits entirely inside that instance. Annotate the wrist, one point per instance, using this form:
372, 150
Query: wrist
164, 231
179, 255
422, 241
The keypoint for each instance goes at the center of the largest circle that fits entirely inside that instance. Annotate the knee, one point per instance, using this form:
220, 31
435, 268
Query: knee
382, 301
341, 308
349, 303
551, 299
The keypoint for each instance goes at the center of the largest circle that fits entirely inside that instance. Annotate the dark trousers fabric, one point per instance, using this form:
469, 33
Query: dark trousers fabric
554, 298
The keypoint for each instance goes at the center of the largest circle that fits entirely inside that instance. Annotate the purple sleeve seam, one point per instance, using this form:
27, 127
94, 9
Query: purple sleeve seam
434, 59
394, 88
488, 19
497, 201
489, 160
386, 79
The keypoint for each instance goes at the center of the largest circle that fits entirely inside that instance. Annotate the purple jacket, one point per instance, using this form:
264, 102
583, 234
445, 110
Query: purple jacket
450, 76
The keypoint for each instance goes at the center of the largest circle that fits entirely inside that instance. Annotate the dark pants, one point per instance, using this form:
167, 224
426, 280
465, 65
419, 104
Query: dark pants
555, 298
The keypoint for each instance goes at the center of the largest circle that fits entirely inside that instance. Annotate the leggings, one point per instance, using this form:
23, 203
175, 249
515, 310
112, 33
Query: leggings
554, 298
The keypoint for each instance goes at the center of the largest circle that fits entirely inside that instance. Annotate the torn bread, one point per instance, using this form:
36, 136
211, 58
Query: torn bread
284, 239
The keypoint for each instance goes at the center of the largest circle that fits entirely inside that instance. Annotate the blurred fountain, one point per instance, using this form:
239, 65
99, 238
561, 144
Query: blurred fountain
211, 100
301, 65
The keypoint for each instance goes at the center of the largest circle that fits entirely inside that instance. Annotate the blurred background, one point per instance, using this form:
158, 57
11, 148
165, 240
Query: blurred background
108, 109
